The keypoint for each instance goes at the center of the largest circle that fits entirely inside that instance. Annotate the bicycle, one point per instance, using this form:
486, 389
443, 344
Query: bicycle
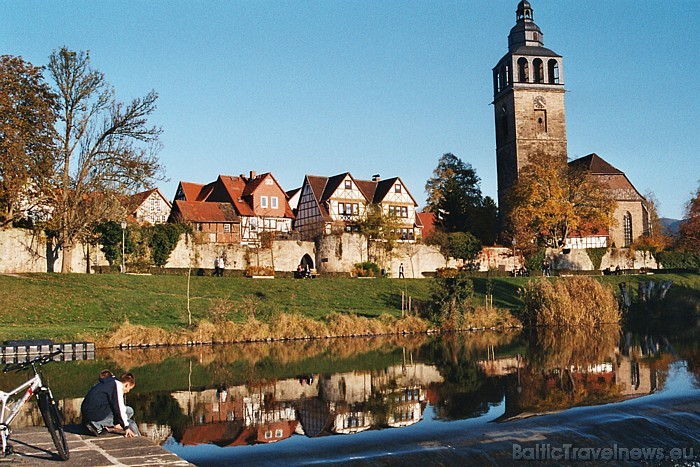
47, 405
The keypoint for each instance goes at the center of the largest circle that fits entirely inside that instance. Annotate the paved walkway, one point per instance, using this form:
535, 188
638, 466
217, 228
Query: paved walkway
33, 446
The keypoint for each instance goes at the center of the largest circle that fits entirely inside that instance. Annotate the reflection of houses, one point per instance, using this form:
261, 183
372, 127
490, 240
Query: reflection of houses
405, 406
234, 209
342, 403
338, 204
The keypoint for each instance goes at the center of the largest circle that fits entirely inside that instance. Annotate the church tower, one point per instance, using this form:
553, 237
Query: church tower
528, 100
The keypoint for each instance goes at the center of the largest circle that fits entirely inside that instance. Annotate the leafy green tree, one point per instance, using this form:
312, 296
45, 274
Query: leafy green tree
27, 150
454, 195
106, 149
379, 227
464, 246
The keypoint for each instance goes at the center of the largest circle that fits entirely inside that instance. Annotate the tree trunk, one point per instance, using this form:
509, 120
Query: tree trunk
67, 258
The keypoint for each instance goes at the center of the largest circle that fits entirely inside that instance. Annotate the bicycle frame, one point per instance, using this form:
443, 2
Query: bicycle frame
10, 409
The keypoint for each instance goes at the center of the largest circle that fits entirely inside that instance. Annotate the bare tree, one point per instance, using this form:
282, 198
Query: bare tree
106, 149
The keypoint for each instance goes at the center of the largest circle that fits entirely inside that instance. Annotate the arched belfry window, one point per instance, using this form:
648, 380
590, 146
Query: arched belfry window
627, 229
553, 69
539, 70
523, 70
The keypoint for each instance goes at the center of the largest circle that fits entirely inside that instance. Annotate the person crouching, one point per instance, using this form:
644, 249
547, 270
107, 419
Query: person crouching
103, 408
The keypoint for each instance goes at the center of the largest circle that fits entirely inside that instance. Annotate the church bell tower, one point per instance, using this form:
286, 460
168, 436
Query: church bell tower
528, 101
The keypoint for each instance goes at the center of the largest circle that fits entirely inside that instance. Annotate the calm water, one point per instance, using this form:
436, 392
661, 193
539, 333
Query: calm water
361, 399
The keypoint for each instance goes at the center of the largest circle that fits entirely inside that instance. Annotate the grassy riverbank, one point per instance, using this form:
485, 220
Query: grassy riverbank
78, 306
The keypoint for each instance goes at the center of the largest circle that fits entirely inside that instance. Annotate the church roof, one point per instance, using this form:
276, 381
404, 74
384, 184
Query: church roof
596, 165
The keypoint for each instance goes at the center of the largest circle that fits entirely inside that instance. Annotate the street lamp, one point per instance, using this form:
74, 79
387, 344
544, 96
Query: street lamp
123, 230
513, 256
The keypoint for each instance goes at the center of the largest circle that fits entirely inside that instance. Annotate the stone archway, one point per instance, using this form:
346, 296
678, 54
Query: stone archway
307, 260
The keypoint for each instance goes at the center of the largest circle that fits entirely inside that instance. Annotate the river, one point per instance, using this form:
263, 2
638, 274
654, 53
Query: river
483, 397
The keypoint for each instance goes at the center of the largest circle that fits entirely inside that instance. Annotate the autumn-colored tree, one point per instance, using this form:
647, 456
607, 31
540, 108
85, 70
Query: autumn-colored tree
654, 240
689, 231
551, 199
106, 149
454, 195
27, 151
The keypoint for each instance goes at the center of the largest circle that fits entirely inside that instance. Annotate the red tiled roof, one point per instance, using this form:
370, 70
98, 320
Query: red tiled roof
596, 165
236, 188
428, 221
195, 191
368, 188
193, 211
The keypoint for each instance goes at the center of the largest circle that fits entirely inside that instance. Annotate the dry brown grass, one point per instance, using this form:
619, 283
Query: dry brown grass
569, 301
490, 317
284, 326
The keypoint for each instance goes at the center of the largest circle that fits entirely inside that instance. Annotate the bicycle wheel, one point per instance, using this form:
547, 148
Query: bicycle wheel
54, 423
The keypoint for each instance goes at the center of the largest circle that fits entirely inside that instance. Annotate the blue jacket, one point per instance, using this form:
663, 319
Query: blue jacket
101, 401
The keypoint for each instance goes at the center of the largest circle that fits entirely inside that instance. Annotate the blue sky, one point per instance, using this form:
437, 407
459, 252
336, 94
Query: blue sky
370, 86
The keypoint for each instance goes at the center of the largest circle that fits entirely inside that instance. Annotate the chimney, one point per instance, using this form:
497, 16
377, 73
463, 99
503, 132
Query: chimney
252, 174
376, 178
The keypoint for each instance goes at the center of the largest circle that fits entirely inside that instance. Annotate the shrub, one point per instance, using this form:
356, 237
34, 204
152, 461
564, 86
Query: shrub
450, 298
259, 271
367, 269
163, 240
679, 259
569, 301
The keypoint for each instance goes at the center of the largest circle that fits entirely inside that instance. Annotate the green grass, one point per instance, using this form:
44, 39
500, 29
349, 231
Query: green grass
79, 306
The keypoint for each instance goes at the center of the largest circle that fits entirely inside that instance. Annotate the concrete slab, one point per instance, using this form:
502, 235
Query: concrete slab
33, 446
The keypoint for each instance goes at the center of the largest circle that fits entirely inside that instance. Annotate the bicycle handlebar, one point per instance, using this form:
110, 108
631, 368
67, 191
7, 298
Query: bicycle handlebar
41, 360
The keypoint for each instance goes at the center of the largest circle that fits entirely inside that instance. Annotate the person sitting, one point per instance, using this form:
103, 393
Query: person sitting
103, 408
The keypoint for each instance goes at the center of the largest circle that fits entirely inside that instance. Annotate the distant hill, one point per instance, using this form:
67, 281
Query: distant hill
671, 226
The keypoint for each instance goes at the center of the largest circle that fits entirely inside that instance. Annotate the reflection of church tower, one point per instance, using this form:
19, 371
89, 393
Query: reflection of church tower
528, 88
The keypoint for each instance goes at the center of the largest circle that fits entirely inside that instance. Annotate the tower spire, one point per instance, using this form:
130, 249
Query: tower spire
525, 32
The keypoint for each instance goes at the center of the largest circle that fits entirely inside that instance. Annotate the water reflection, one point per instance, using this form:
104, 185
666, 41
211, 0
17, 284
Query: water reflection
261, 394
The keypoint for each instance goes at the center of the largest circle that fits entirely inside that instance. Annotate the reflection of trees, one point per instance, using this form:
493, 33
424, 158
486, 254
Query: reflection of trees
466, 392
566, 367
281, 352
561, 347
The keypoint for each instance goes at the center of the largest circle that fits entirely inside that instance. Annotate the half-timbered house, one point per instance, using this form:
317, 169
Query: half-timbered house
338, 204
240, 208
149, 207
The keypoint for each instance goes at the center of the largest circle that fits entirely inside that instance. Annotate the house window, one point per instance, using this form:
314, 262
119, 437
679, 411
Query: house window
397, 188
278, 433
348, 184
404, 211
268, 181
152, 203
227, 228
263, 201
268, 434
273, 202
627, 229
